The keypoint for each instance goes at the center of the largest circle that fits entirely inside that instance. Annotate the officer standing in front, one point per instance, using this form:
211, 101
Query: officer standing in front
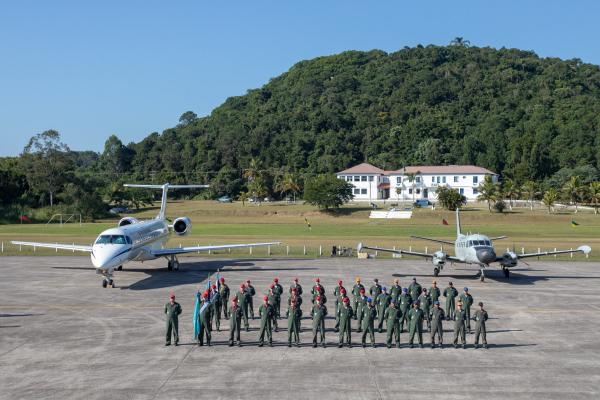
392, 317
319, 312
235, 322
450, 294
172, 310
460, 325
369, 313
415, 324
242, 296
345, 314
480, 317
294, 314
437, 317
266, 314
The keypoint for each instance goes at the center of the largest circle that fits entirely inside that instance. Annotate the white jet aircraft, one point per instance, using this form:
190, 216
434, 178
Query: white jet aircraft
473, 249
134, 240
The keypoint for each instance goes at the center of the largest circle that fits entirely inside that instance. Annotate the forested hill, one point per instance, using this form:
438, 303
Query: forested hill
508, 110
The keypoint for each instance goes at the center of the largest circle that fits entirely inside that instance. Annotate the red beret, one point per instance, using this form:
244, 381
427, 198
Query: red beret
275, 280
295, 279
248, 280
272, 285
172, 296
242, 286
346, 300
266, 298
343, 290
213, 286
317, 280
222, 280
339, 282
362, 290
293, 290
318, 298
234, 300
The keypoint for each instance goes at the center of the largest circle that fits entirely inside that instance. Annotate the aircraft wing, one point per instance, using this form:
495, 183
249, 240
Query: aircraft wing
74, 247
580, 249
498, 238
405, 252
182, 250
434, 240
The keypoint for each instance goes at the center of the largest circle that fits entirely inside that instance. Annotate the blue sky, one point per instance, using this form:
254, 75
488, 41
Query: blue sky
92, 69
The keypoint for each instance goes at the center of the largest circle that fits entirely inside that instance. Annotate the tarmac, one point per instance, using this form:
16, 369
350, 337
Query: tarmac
63, 336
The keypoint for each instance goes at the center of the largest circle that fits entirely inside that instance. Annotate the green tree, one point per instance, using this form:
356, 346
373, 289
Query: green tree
46, 162
116, 158
573, 190
450, 199
460, 41
187, 118
500, 206
258, 189
288, 184
327, 191
530, 191
243, 197
511, 191
488, 192
593, 193
550, 197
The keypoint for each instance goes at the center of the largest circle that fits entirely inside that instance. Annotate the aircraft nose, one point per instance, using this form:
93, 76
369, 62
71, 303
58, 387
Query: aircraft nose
486, 256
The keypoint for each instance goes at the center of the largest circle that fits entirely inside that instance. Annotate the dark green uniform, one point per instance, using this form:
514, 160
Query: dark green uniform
414, 290
460, 325
172, 311
375, 290
215, 312
480, 317
266, 314
345, 314
314, 297
415, 325
242, 298
273, 303
383, 301
249, 301
467, 302
404, 302
437, 316
369, 313
392, 317
224, 292
298, 288
317, 290
355, 296
450, 294
277, 291
361, 304
339, 303
337, 292
395, 292
235, 324
294, 314
319, 312
434, 293
425, 305
204, 318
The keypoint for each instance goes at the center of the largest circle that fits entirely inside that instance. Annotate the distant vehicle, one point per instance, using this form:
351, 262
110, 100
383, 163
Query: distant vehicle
119, 210
225, 199
421, 203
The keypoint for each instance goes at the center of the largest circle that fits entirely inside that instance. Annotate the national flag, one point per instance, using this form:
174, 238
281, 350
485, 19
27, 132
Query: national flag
197, 316
574, 223
444, 222
24, 218
308, 224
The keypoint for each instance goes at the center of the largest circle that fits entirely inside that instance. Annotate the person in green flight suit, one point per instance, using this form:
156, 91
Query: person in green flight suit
376, 289
450, 294
319, 312
395, 291
369, 313
266, 315
294, 314
273, 301
383, 301
204, 317
467, 301
436, 317
339, 303
345, 317
361, 304
235, 322
277, 292
404, 302
337, 292
172, 310
414, 289
480, 317
356, 289
296, 286
460, 325
215, 305
392, 317
425, 305
434, 292
224, 292
317, 290
242, 296
415, 324
250, 301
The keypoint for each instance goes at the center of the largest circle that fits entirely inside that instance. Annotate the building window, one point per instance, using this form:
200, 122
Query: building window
398, 180
356, 191
356, 178
418, 179
443, 179
363, 191
475, 191
433, 179
370, 178
418, 191
438, 179
363, 178
409, 191
461, 190
456, 179
475, 179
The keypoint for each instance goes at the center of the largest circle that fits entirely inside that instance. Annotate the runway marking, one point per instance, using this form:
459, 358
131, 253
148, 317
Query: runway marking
173, 372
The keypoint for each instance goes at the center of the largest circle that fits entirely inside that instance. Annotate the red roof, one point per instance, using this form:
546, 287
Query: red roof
443, 169
364, 168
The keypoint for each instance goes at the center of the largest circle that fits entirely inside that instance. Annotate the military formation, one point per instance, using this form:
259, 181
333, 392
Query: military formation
414, 307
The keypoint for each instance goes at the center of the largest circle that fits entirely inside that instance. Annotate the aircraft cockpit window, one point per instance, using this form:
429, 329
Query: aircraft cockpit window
470, 243
488, 243
112, 239
482, 242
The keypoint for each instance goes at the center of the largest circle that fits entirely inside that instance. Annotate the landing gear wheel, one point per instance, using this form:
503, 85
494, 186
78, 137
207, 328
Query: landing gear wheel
176, 265
111, 283
482, 276
104, 283
170, 266
120, 268
436, 271
506, 273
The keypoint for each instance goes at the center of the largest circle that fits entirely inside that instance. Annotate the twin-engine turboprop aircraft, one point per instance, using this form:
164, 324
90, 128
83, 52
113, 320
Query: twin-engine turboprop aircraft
473, 249
134, 240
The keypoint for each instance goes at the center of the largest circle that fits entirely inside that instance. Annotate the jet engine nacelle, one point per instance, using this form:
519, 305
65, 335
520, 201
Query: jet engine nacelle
182, 226
439, 258
127, 221
509, 260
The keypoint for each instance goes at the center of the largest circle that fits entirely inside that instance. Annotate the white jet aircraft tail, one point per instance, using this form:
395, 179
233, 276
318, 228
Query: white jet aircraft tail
165, 188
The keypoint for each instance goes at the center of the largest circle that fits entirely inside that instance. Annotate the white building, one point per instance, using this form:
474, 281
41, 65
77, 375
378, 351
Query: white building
415, 182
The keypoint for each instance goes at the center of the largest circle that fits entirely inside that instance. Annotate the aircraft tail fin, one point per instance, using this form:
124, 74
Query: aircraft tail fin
458, 233
165, 188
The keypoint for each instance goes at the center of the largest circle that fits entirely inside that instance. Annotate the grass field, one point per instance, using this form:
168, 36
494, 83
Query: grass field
215, 223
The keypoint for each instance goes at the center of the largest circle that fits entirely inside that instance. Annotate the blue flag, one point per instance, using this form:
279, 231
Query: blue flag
197, 316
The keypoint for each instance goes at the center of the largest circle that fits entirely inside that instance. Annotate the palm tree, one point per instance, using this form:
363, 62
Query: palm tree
573, 190
530, 190
594, 195
511, 190
253, 170
550, 198
488, 191
460, 41
287, 184
398, 191
258, 188
243, 197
